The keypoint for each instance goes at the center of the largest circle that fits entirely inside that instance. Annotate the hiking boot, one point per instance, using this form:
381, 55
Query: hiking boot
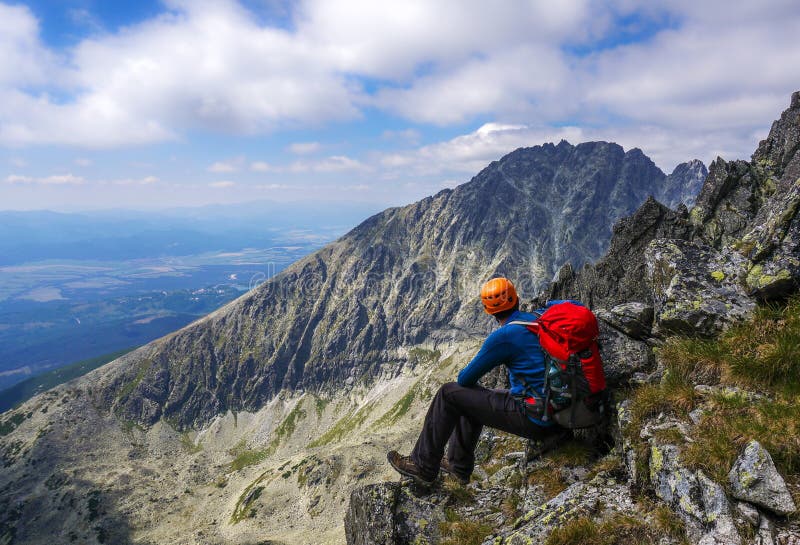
405, 466
447, 468
538, 447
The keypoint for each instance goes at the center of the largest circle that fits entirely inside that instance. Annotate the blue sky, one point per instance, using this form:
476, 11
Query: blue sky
153, 104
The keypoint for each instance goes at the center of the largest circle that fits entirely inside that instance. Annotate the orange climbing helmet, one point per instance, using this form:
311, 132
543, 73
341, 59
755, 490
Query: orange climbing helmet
497, 295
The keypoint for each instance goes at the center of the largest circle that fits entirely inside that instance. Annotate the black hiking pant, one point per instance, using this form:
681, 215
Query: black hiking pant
456, 417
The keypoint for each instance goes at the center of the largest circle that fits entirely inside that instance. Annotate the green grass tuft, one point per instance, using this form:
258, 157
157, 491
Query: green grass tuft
619, 529
462, 532
732, 422
762, 354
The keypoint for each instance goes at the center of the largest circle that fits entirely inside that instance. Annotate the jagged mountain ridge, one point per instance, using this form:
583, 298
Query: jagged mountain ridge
403, 277
748, 208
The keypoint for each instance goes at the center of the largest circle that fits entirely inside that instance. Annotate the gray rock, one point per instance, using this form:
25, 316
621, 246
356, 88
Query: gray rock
390, 514
633, 319
370, 516
748, 513
620, 276
766, 532
696, 416
503, 474
696, 289
622, 356
600, 496
700, 502
755, 479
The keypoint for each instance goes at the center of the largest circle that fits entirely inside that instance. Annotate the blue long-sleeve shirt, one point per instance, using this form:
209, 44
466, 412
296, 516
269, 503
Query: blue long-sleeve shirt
513, 346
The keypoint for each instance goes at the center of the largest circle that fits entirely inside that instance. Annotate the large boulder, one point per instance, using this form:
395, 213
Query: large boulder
633, 319
370, 517
622, 355
391, 514
755, 479
697, 290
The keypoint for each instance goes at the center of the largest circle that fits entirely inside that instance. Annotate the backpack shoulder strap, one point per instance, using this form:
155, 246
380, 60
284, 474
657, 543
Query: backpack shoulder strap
520, 322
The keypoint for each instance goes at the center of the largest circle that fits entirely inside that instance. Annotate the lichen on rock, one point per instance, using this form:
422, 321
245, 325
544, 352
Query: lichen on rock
754, 478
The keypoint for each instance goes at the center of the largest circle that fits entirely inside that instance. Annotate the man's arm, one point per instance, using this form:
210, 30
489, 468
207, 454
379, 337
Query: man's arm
495, 351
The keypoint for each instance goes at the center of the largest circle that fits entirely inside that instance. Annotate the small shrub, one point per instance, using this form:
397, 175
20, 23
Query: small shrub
673, 396
610, 463
189, 445
510, 505
571, 453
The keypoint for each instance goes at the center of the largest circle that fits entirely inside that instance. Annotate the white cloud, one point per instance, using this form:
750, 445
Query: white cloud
222, 184
332, 164
273, 187
261, 166
59, 179
82, 162
205, 65
304, 148
336, 163
147, 180
708, 82
469, 153
24, 59
233, 165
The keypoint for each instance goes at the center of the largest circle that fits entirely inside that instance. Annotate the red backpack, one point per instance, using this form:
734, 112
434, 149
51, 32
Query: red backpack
574, 388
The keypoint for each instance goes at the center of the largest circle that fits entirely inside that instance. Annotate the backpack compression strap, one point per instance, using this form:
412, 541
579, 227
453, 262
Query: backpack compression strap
529, 325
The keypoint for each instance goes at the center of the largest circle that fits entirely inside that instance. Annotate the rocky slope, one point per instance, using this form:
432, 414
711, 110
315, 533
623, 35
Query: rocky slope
687, 464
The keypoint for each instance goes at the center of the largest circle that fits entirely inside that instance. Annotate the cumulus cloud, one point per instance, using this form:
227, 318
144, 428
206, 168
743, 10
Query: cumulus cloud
689, 78
272, 187
471, 152
205, 65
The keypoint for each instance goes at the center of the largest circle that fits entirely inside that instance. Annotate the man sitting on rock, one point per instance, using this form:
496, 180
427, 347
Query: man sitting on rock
460, 409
